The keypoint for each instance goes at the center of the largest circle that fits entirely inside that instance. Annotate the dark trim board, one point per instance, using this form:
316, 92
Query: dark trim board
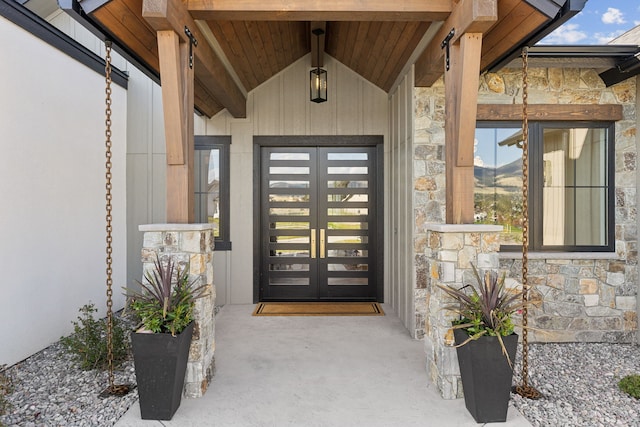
29, 21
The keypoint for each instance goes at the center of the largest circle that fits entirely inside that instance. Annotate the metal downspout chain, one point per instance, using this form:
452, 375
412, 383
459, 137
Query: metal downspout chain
112, 389
524, 389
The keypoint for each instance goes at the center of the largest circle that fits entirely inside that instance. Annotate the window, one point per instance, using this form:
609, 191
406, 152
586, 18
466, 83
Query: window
211, 183
571, 185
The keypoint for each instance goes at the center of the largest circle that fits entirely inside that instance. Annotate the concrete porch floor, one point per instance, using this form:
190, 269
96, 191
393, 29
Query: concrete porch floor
317, 371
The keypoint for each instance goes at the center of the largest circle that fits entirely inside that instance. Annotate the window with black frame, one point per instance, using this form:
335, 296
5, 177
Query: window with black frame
211, 184
571, 184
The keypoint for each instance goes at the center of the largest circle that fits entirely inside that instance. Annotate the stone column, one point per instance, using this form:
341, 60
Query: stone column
450, 250
192, 243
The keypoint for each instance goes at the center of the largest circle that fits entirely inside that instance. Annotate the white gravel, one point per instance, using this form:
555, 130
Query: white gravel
578, 381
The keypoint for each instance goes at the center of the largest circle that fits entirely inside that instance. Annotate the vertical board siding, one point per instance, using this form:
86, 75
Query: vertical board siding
281, 106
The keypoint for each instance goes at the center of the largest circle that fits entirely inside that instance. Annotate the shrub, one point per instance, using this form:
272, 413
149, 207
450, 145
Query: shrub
6, 388
88, 343
631, 385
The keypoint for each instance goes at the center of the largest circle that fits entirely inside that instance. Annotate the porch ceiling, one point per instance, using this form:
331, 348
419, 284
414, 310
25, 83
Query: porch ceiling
252, 40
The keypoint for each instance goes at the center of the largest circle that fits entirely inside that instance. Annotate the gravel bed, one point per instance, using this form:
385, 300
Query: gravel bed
579, 384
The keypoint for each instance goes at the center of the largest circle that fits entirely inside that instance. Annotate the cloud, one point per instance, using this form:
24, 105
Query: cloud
604, 38
565, 34
477, 161
613, 16
636, 23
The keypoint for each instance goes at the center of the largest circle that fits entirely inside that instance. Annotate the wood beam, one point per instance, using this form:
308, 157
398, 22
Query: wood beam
209, 69
461, 91
468, 16
177, 100
542, 112
320, 10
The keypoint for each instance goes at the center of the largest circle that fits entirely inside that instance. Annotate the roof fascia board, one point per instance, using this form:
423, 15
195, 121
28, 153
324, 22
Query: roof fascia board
29, 21
568, 10
75, 10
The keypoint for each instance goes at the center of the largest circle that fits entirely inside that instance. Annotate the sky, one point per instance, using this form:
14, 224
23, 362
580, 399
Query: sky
599, 22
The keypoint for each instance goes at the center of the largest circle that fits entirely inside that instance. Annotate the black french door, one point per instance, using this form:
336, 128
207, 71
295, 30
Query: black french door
319, 228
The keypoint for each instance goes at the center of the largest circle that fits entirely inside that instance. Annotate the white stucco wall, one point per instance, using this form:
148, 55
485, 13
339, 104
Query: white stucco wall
52, 191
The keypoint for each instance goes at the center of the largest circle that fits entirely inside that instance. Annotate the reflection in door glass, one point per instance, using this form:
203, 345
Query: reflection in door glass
347, 156
348, 239
344, 198
348, 267
348, 281
289, 156
347, 184
343, 211
282, 225
332, 253
289, 267
283, 170
288, 281
288, 184
360, 170
335, 225
289, 211
290, 253
288, 197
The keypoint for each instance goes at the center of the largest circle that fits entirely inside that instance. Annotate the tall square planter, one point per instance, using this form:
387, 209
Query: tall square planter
160, 363
486, 375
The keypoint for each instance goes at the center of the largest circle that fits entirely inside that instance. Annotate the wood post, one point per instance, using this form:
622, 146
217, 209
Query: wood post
461, 98
177, 100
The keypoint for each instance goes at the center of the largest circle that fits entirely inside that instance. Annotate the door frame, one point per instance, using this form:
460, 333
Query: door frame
376, 141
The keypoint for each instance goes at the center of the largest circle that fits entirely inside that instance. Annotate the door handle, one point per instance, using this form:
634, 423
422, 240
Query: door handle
322, 254
313, 243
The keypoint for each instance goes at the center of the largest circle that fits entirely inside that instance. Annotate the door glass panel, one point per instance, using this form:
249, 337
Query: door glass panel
289, 239
348, 198
289, 156
339, 225
348, 281
288, 281
288, 197
289, 225
288, 184
344, 211
289, 211
347, 156
337, 253
348, 184
289, 267
360, 170
348, 239
293, 170
290, 252
348, 267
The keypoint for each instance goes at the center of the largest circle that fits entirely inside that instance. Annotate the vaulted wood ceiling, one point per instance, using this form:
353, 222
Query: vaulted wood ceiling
250, 40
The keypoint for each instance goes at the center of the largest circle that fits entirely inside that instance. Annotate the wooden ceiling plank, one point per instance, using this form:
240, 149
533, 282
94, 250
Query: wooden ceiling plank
513, 32
225, 31
326, 10
250, 52
265, 32
376, 53
468, 16
276, 37
173, 15
204, 101
410, 39
391, 50
128, 28
360, 43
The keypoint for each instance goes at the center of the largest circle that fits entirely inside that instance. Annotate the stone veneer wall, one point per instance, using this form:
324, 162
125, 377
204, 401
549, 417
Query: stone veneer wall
193, 244
582, 297
450, 250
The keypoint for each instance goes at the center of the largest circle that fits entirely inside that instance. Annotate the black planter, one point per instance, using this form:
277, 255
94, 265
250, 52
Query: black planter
486, 375
160, 362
